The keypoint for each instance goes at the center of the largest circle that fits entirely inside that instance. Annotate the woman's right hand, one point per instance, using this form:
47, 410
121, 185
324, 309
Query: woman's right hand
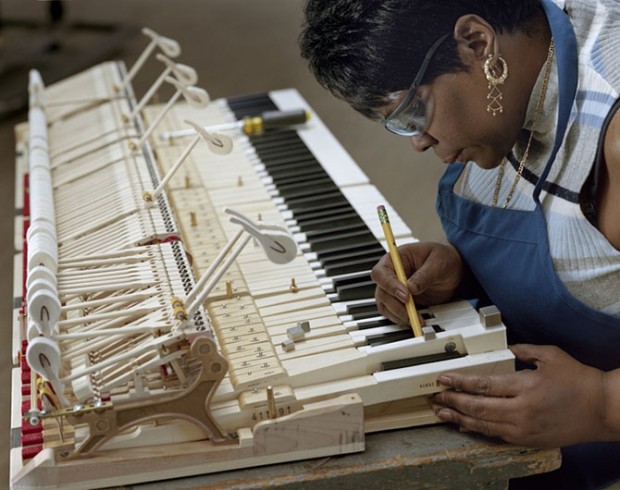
434, 271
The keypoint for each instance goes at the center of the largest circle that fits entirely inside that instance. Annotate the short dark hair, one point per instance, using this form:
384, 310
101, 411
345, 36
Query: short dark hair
364, 50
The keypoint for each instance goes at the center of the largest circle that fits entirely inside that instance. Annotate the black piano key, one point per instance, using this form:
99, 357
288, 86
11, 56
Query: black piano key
286, 175
330, 223
340, 240
276, 140
351, 245
275, 143
387, 338
417, 361
363, 315
287, 161
268, 137
344, 227
292, 166
359, 290
306, 180
282, 151
351, 279
349, 266
273, 139
276, 151
373, 250
290, 163
362, 309
315, 203
264, 139
344, 235
406, 333
345, 217
250, 105
306, 188
303, 216
437, 328
383, 322
360, 280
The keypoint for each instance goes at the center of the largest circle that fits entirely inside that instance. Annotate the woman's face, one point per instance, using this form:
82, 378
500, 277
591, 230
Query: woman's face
459, 127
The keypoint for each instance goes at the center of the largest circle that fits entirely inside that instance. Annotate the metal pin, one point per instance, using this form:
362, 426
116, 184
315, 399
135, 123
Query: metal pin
271, 403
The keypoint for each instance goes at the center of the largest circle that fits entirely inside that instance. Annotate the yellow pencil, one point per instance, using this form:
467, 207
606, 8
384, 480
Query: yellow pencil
398, 267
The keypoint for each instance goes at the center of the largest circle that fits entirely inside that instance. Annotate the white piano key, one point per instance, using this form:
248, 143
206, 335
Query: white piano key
365, 200
360, 324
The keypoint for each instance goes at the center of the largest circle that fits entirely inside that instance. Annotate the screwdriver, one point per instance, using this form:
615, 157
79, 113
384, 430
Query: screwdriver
249, 125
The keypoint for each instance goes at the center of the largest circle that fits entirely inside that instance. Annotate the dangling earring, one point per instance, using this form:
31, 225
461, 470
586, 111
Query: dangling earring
495, 94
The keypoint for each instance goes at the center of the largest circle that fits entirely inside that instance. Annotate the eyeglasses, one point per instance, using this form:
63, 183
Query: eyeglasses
409, 118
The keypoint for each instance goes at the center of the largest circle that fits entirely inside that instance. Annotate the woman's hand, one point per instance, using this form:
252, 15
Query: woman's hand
434, 271
561, 402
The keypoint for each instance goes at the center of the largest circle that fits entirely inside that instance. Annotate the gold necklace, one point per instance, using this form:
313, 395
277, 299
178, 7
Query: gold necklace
538, 111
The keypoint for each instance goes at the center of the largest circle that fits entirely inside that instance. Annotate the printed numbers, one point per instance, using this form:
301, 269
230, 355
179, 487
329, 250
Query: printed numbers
264, 414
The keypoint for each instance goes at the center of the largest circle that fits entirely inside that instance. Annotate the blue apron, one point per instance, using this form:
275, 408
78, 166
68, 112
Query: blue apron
508, 253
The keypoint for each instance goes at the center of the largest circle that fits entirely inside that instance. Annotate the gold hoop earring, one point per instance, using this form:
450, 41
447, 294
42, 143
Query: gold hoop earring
495, 94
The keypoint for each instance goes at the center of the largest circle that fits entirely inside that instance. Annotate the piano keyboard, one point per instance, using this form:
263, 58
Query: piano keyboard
330, 207
332, 213
292, 339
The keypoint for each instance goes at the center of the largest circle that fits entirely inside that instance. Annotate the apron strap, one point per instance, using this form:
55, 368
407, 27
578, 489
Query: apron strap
566, 54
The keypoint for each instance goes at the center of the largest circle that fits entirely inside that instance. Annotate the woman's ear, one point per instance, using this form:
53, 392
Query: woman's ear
475, 39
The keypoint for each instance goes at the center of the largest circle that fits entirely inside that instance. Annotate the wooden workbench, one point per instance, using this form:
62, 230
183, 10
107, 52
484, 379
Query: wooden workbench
437, 458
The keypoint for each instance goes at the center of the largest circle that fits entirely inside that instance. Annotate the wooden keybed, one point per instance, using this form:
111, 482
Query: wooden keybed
263, 394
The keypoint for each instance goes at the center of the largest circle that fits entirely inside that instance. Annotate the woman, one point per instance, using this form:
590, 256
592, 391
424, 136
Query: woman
520, 98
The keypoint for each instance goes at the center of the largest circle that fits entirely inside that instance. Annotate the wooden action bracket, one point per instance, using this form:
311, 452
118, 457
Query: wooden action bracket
107, 420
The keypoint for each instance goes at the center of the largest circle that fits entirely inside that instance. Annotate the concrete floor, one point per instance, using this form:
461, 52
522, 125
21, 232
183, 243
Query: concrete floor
237, 47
